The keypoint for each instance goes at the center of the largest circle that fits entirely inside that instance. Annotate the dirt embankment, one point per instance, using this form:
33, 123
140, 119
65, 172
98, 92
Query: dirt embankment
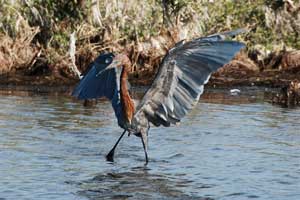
23, 63
277, 69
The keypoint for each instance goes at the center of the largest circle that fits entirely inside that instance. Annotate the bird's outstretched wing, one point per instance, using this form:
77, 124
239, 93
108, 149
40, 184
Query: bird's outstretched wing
101, 82
95, 85
181, 78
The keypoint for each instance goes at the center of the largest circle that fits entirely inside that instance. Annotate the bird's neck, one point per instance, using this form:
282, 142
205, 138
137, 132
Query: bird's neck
127, 102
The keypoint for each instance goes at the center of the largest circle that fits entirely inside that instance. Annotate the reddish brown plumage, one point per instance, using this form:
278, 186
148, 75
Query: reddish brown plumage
127, 102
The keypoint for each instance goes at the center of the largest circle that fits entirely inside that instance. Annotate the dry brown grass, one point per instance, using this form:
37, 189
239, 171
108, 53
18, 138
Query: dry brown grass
18, 53
137, 28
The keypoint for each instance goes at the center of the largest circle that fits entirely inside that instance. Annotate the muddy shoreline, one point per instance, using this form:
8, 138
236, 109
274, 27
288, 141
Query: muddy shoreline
277, 70
268, 78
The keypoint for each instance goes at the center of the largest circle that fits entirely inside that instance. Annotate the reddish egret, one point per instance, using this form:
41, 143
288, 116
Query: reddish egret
182, 74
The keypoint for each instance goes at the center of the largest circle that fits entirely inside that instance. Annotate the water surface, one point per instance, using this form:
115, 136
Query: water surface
228, 147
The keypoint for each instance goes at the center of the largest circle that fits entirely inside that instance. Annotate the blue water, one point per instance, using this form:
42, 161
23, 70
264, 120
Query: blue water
228, 147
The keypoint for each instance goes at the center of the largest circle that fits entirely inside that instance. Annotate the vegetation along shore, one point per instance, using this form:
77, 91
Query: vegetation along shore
53, 42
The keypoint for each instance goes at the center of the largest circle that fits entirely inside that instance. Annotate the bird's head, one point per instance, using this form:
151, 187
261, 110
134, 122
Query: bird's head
110, 61
123, 60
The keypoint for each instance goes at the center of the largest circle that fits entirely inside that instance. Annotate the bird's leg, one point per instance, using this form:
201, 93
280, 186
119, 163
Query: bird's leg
145, 145
110, 155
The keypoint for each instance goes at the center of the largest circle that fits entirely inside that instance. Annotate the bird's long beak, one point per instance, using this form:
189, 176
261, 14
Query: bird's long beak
114, 64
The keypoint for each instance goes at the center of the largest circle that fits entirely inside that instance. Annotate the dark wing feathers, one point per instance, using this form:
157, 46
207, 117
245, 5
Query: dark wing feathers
95, 85
92, 86
104, 84
181, 78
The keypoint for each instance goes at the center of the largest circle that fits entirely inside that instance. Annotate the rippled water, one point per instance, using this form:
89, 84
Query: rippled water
228, 147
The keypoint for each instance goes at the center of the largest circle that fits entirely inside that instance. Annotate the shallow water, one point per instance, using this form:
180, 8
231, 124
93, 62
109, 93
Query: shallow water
228, 147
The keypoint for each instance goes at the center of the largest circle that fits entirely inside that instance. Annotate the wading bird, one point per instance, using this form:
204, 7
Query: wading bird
177, 87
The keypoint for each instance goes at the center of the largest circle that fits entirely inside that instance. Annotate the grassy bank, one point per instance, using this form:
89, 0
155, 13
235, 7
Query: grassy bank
45, 42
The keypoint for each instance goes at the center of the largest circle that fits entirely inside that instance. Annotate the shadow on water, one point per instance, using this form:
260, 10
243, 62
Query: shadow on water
138, 183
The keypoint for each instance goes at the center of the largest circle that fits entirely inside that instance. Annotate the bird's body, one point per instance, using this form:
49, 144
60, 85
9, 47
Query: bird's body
176, 89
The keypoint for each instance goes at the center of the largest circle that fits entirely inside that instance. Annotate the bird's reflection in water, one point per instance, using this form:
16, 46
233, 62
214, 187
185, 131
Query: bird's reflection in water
138, 183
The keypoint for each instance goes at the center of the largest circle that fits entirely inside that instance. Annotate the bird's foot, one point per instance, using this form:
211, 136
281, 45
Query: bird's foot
110, 156
146, 162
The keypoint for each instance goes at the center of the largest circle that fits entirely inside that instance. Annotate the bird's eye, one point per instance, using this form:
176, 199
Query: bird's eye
108, 60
